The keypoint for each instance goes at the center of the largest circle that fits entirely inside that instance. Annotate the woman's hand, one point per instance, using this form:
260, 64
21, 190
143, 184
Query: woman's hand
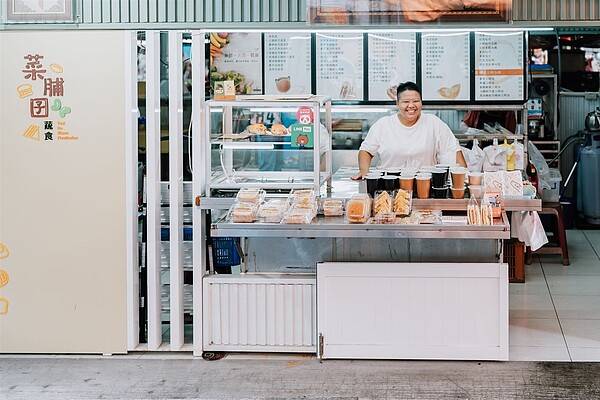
360, 175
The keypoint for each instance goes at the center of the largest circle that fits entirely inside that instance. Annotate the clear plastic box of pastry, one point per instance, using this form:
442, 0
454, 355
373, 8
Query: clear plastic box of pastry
243, 212
250, 195
330, 207
272, 210
358, 208
297, 216
397, 202
302, 196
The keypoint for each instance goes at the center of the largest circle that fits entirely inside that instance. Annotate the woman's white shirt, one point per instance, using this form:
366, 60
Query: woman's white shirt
424, 143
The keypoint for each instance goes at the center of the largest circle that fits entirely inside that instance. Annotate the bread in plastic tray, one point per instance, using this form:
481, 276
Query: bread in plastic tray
383, 218
402, 202
332, 207
250, 195
297, 217
382, 203
271, 211
243, 212
358, 209
302, 196
428, 217
305, 207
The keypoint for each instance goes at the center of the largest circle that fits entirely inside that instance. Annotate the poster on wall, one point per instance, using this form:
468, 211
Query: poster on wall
287, 63
445, 70
369, 12
40, 10
237, 57
499, 66
42, 90
340, 66
392, 59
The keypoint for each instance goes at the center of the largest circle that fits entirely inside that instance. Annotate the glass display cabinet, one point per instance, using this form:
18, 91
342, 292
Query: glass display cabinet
267, 142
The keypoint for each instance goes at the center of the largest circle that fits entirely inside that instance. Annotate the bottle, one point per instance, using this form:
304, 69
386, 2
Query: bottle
532, 176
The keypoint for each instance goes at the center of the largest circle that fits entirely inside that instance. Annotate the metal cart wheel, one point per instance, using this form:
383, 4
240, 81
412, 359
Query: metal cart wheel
213, 355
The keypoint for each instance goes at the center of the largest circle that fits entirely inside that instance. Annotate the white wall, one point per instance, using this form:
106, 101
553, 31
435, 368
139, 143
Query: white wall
62, 201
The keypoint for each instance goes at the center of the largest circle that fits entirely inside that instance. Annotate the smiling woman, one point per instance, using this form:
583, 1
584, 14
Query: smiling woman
408, 138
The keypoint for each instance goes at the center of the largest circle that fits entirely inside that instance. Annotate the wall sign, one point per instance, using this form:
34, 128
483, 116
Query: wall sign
445, 67
499, 66
392, 59
369, 12
39, 11
287, 63
339, 64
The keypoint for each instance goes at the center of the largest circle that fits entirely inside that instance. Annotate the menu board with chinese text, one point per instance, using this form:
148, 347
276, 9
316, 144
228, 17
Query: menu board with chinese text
499, 66
445, 67
392, 59
340, 66
287, 63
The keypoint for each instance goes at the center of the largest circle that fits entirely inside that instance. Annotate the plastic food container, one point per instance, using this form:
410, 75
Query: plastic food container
250, 195
358, 209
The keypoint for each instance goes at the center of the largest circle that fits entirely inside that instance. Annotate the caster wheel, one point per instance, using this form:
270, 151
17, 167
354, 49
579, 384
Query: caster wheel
212, 355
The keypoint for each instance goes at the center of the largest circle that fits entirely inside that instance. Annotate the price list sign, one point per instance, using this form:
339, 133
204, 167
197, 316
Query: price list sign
340, 66
499, 66
445, 71
392, 59
287, 63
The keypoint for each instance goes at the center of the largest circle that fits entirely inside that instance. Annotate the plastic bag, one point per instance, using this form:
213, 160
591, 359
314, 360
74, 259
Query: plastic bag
519, 155
538, 161
474, 157
495, 158
530, 229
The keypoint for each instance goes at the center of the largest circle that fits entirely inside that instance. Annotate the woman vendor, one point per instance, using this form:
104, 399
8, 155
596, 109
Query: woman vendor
408, 138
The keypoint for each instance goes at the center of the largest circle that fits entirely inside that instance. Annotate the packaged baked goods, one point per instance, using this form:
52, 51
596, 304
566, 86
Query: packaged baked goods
358, 208
428, 217
473, 212
402, 202
332, 207
278, 129
272, 211
250, 195
243, 212
383, 218
382, 203
305, 207
258, 129
302, 196
486, 215
293, 216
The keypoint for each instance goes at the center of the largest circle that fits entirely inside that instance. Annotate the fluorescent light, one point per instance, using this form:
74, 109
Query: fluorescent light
247, 145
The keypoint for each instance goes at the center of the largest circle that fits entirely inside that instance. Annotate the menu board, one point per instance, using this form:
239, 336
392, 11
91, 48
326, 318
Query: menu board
287, 63
445, 70
499, 66
340, 66
238, 57
392, 59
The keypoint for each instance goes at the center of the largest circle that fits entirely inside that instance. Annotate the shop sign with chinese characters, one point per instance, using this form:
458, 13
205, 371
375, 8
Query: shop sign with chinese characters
42, 92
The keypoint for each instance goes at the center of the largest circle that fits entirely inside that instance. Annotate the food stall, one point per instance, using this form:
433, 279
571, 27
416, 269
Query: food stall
424, 283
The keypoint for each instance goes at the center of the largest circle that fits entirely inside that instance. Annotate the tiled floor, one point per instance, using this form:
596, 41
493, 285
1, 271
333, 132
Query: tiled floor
555, 314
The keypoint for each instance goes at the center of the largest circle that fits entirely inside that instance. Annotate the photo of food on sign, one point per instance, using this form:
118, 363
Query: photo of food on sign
237, 57
417, 11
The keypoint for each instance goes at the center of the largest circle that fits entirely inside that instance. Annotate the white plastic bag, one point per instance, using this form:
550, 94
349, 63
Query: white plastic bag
474, 157
538, 161
532, 230
519, 155
495, 158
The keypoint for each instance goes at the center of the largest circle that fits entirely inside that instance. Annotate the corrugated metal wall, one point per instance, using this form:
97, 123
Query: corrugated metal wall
190, 11
287, 11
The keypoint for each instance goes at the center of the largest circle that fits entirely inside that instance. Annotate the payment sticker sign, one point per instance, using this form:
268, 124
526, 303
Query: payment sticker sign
305, 115
302, 136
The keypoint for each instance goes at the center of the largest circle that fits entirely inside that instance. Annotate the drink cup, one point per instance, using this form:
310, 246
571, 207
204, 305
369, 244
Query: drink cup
440, 193
458, 193
407, 182
423, 185
439, 178
372, 184
476, 190
458, 177
475, 178
390, 182
393, 171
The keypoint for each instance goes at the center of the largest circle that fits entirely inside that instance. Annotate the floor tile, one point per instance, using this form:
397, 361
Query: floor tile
576, 307
581, 332
534, 284
585, 354
535, 268
535, 332
531, 306
579, 266
574, 284
538, 353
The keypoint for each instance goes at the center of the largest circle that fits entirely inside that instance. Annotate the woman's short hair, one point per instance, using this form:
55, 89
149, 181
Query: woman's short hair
403, 87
